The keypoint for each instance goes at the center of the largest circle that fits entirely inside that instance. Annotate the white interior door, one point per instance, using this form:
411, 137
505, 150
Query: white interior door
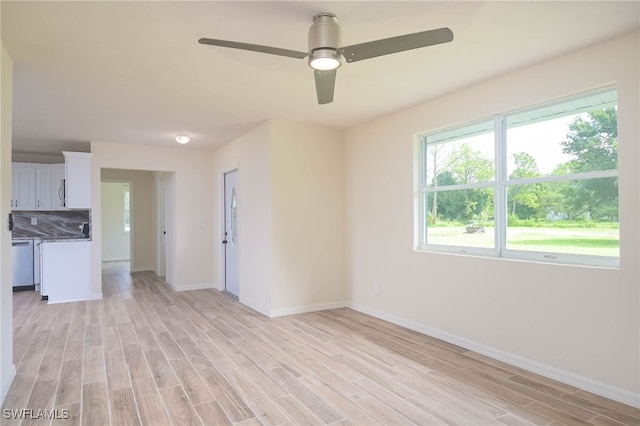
230, 241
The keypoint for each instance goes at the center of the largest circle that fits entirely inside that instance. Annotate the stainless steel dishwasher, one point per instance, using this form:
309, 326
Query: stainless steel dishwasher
22, 252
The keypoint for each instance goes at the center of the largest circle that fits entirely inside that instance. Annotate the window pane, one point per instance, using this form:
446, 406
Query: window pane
577, 136
460, 217
127, 210
460, 156
576, 216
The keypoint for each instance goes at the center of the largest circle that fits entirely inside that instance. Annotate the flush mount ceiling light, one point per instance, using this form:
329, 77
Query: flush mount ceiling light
182, 139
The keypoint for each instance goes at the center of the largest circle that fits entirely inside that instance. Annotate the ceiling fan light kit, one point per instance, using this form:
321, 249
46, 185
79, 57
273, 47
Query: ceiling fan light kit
326, 52
325, 60
325, 37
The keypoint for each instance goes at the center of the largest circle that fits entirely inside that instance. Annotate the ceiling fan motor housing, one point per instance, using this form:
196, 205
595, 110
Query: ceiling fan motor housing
325, 37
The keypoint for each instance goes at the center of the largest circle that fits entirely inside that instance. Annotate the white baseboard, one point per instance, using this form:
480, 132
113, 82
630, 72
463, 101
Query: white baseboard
260, 309
6, 383
626, 397
204, 286
54, 301
142, 268
304, 309
93, 296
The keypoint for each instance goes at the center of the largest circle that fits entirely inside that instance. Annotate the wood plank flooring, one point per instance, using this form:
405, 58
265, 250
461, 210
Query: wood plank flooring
145, 355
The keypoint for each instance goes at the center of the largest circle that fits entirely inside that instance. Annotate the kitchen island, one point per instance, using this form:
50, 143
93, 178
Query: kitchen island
65, 266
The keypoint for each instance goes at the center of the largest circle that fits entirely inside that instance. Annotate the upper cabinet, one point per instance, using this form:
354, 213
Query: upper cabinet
31, 186
23, 186
43, 187
52, 186
78, 179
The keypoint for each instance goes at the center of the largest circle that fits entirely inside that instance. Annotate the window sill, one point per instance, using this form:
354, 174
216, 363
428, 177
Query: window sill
526, 257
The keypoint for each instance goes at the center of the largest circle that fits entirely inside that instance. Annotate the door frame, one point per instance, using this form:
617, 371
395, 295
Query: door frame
221, 227
160, 182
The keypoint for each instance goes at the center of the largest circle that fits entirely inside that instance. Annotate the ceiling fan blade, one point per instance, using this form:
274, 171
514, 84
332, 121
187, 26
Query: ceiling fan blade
372, 49
254, 48
325, 84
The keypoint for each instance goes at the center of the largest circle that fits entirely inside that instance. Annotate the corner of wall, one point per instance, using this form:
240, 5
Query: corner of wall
306, 309
7, 368
256, 306
7, 379
203, 286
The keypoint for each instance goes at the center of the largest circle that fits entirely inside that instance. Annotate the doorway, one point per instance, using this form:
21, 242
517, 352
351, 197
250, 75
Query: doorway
116, 221
145, 220
230, 242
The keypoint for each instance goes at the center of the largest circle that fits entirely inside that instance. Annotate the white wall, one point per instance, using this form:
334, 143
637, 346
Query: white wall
578, 324
7, 368
116, 244
291, 216
28, 157
251, 155
307, 217
190, 202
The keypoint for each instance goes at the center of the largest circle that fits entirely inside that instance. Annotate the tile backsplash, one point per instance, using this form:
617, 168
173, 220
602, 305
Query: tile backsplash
50, 224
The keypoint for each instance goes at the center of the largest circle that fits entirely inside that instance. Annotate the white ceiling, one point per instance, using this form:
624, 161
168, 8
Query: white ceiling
133, 72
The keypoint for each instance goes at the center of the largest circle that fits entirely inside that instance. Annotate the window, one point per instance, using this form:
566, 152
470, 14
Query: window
536, 184
127, 208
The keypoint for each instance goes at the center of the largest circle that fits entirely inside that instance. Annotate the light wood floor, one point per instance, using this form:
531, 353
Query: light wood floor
145, 355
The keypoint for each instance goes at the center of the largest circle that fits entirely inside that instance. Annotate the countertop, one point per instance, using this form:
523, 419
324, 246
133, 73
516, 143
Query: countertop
53, 239
63, 240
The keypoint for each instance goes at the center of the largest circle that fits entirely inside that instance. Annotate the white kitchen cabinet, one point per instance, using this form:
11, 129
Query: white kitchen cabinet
30, 186
78, 179
58, 187
43, 187
65, 270
23, 186
52, 186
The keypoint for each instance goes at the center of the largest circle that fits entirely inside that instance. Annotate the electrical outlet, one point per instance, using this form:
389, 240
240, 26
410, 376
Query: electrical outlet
34, 220
376, 288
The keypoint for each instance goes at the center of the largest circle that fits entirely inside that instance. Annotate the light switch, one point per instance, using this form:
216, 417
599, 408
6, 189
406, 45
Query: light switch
34, 220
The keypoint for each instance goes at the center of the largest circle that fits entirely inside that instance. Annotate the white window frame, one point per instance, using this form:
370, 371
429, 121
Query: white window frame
500, 185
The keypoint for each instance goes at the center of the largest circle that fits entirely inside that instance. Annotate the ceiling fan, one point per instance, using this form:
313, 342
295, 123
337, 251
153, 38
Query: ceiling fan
326, 54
